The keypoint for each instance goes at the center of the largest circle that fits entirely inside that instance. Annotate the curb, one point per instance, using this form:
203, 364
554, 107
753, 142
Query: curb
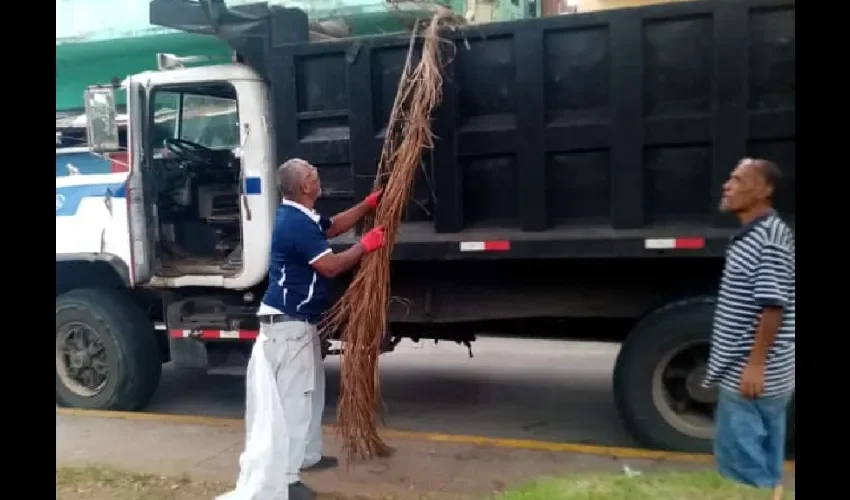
523, 444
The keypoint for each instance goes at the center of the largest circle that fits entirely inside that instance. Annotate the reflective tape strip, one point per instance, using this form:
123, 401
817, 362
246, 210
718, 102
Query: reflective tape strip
674, 243
214, 334
485, 246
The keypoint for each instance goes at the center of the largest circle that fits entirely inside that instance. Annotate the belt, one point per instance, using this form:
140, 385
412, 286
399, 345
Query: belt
271, 319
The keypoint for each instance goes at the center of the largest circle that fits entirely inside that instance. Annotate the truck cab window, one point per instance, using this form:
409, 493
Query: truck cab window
165, 109
195, 134
210, 121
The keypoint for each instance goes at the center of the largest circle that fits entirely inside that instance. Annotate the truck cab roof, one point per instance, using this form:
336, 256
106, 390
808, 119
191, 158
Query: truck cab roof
227, 72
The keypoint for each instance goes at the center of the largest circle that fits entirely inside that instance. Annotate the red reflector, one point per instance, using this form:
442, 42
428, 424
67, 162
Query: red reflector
497, 246
690, 243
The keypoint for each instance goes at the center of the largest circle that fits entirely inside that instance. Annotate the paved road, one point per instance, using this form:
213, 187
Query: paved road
526, 389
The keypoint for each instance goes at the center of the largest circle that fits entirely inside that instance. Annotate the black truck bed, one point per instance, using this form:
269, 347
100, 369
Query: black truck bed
600, 134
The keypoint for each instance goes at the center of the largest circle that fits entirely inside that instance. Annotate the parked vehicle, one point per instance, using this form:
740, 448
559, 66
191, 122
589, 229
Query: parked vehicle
577, 173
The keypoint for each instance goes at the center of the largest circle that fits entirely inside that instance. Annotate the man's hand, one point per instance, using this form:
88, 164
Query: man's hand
373, 240
373, 199
344, 221
752, 381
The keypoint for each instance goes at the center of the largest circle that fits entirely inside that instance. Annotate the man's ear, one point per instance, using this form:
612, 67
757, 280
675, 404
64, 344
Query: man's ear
767, 190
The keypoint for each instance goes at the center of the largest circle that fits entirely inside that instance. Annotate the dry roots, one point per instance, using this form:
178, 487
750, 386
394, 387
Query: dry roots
361, 313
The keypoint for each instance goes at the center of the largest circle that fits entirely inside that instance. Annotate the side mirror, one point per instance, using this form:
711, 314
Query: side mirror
101, 123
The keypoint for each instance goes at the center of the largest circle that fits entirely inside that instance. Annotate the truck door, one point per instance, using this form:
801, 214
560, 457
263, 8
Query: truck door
102, 135
139, 210
103, 139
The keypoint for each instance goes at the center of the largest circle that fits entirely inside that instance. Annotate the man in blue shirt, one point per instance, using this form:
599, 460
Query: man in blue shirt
287, 355
752, 352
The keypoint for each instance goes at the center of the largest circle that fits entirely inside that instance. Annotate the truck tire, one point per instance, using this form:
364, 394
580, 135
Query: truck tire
673, 338
106, 354
658, 373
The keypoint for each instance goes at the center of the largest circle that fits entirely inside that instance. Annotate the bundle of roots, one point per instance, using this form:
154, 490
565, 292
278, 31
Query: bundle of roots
361, 313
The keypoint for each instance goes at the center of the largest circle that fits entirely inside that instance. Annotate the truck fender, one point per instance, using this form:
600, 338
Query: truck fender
90, 270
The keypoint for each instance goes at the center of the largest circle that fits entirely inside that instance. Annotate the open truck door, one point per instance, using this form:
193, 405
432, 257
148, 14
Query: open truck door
102, 135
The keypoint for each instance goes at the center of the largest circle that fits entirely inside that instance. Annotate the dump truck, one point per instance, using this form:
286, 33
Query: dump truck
576, 173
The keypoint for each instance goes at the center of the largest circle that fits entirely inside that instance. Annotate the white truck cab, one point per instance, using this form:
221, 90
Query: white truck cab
190, 219
197, 204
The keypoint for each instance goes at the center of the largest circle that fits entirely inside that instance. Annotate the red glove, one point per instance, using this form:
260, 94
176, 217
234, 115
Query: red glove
372, 199
373, 240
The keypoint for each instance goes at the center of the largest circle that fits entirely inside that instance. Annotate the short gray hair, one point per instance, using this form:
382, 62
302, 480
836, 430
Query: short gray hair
290, 175
768, 170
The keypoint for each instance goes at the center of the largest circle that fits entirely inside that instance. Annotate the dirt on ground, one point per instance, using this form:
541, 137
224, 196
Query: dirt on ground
104, 483
95, 483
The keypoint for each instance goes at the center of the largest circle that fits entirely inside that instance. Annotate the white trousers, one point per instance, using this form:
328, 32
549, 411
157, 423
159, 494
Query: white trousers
313, 448
285, 397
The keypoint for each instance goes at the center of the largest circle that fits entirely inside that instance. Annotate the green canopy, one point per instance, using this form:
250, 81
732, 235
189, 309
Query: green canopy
97, 58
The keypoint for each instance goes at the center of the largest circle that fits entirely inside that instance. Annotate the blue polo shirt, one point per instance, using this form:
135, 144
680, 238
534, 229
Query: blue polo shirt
295, 288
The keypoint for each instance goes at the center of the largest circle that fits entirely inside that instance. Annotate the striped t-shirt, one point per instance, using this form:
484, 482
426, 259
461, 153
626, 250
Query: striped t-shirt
759, 272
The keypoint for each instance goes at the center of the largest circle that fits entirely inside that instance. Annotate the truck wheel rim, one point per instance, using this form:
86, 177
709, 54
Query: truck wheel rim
677, 392
81, 362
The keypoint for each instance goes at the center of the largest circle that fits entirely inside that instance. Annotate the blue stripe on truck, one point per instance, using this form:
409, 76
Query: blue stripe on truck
253, 185
68, 198
85, 163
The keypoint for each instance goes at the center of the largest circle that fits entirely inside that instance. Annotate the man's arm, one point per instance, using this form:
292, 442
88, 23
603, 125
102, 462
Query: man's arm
344, 221
330, 264
771, 293
768, 327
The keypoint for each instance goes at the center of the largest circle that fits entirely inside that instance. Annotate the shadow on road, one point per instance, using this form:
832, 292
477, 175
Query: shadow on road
544, 390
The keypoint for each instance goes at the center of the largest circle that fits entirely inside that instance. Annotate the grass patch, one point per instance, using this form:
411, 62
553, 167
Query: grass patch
659, 486
103, 483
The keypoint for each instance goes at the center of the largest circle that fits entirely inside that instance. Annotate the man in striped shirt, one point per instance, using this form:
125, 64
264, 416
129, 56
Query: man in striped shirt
752, 353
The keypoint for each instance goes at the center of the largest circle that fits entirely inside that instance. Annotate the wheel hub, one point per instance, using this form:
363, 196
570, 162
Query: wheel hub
677, 390
81, 360
693, 383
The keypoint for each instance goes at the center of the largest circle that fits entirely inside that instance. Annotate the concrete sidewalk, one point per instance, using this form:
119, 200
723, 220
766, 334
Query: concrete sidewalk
419, 467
